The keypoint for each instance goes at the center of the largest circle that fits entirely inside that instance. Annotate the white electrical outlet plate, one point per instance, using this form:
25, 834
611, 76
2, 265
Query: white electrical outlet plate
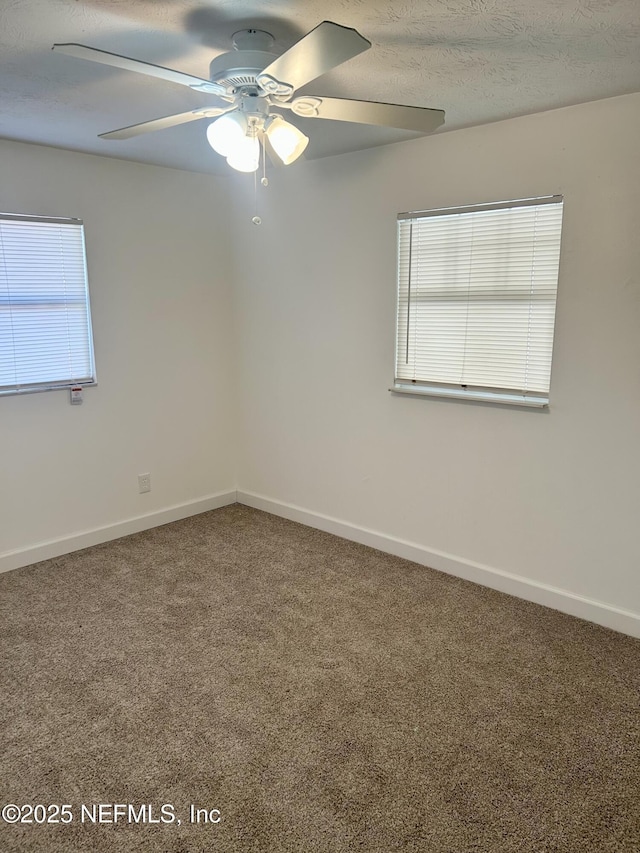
144, 483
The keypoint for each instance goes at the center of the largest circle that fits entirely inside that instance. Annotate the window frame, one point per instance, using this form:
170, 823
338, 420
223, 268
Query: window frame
452, 390
49, 297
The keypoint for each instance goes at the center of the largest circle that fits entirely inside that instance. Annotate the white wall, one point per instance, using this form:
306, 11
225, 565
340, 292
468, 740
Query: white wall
526, 501
160, 284
554, 497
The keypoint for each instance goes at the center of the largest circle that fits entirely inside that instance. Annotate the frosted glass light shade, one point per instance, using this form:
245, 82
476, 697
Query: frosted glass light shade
245, 155
226, 132
286, 140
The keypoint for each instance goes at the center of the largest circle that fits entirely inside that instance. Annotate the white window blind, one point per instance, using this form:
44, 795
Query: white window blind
45, 323
476, 300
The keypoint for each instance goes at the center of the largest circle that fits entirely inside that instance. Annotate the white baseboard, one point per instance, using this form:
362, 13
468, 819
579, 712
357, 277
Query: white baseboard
558, 599
568, 602
86, 538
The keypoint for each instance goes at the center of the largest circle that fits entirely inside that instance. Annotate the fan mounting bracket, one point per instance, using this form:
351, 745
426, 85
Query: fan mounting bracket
252, 40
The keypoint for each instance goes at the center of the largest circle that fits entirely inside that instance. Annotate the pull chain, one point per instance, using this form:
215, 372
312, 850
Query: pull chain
263, 180
256, 219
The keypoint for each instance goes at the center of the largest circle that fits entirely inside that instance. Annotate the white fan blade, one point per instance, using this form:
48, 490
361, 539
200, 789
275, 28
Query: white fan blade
167, 121
81, 51
322, 49
420, 119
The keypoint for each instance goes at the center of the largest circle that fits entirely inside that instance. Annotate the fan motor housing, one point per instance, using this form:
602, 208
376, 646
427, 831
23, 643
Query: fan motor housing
240, 66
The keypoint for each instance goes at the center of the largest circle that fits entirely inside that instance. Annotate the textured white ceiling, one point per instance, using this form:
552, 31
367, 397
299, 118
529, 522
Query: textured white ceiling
479, 60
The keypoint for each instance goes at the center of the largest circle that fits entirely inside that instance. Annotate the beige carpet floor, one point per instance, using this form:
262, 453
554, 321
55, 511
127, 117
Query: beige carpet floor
321, 695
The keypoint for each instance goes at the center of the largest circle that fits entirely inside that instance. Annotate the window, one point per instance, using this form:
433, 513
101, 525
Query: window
45, 324
477, 299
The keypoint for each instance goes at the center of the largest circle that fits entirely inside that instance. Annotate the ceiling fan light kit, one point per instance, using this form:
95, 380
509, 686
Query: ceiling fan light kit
252, 86
237, 136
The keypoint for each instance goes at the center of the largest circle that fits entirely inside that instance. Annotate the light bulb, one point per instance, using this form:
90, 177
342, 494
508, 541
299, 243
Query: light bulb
245, 156
286, 140
226, 132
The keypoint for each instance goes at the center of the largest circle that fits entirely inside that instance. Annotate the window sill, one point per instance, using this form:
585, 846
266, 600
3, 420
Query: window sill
503, 399
36, 389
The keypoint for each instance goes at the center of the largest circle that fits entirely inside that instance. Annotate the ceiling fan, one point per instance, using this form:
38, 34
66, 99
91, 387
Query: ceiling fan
252, 86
